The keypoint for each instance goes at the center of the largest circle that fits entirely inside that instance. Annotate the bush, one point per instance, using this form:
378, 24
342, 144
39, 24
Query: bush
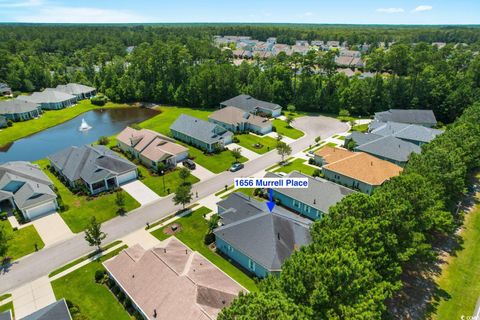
344, 113
311, 161
9, 123
235, 140
274, 129
99, 275
209, 238
121, 296
3, 216
103, 141
99, 100
317, 173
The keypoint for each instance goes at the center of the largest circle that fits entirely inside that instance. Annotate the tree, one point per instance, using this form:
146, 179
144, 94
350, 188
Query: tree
94, 234
291, 108
183, 195
237, 154
289, 119
283, 150
120, 201
184, 174
161, 166
4, 238
103, 140
279, 137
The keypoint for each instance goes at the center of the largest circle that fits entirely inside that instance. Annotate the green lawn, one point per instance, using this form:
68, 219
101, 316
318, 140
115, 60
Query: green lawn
6, 306
249, 140
459, 280
341, 138
214, 162
172, 181
360, 127
298, 165
94, 300
193, 229
162, 122
22, 241
5, 296
284, 130
80, 210
47, 120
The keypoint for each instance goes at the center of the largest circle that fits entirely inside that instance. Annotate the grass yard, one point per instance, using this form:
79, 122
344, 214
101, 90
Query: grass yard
459, 280
249, 140
5, 296
162, 122
360, 128
193, 229
172, 181
298, 165
48, 119
22, 241
94, 300
7, 306
284, 130
80, 210
214, 162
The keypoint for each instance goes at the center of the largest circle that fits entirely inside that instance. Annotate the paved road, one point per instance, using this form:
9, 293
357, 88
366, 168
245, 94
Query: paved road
43, 262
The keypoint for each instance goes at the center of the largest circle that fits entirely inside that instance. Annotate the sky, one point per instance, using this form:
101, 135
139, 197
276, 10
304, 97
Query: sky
259, 11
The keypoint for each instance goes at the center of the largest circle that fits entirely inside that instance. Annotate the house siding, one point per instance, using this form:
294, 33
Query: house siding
348, 181
192, 141
297, 206
240, 258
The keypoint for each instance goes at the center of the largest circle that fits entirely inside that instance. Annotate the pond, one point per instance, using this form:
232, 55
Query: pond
103, 122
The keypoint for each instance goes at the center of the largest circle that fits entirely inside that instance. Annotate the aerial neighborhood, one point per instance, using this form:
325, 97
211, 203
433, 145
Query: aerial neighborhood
130, 208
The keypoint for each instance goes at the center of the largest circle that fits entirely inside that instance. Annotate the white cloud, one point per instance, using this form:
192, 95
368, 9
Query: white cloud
59, 14
16, 4
390, 10
422, 8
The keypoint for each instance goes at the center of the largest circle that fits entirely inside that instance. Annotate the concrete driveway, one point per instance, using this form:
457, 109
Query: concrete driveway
249, 154
32, 297
200, 172
140, 192
52, 229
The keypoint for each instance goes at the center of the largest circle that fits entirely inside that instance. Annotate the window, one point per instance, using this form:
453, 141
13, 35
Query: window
251, 265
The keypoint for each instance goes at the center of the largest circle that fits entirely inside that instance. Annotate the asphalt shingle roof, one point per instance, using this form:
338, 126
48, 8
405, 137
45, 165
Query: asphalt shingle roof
17, 106
49, 95
55, 311
412, 116
389, 147
249, 104
200, 129
74, 88
267, 238
407, 131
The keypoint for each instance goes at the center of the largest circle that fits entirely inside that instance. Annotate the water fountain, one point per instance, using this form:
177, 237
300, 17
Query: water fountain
84, 126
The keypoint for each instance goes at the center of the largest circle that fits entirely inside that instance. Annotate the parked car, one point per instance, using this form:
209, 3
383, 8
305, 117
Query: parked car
282, 174
189, 164
237, 166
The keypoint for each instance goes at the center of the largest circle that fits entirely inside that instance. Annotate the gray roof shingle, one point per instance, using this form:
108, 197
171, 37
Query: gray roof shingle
17, 106
202, 130
49, 95
412, 116
55, 311
407, 131
249, 104
6, 315
389, 147
74, 88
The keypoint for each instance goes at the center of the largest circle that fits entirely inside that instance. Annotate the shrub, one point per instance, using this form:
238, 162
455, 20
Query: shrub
344, 113
9, 123
103, 140
311, 161
317, 173
99, 275
274, 129
235, 139
99, 100
121, 296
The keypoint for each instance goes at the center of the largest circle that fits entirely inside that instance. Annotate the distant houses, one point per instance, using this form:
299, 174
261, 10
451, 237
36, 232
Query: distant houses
5, 90
314, 202
50, 99
256, 239
358, 170
151, 148
95, 167
19, 110
238, 120
25, 187
424, 118
252, 105
3, 122
413, 133
80, 91
202, 134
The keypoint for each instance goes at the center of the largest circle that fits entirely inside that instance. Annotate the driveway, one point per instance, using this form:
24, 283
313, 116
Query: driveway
140, 192
200, 172
32, 297
249, 154
52, 229
44, 261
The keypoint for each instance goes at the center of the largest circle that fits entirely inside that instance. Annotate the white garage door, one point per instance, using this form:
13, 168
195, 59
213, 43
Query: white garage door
179, 158
127, 177
40, 210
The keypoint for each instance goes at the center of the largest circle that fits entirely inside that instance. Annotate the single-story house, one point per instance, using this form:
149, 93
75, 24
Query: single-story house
151, 148
413, 133
57, 310
238, 120
3, 122
314, 202
172, 282
388, 148
424, 118
252, 105
5, 90
358, 170
327, 154
78, 90
50, 99
96, 167
200, 133
256, 239
19, 110
26, 187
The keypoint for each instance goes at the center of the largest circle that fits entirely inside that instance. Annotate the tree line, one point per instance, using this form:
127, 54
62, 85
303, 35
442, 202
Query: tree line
360, 250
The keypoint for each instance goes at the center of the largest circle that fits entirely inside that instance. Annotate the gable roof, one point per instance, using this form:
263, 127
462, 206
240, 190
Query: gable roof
55, 311
407, 131
172, 281
412, 116
74, 88
90, 163
332, 154
249, 104
150, 144
200, 129
49, 95
235, 116
17, 106
34, 184
321, 195
387, 147
267, 238
364, 167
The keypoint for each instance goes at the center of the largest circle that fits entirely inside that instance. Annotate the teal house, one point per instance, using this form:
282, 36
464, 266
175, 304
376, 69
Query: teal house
254, 238
200, 133
313, 202
18, 110
50, 99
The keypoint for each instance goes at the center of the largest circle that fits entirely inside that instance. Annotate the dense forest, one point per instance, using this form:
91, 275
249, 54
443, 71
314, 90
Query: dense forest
178, 64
